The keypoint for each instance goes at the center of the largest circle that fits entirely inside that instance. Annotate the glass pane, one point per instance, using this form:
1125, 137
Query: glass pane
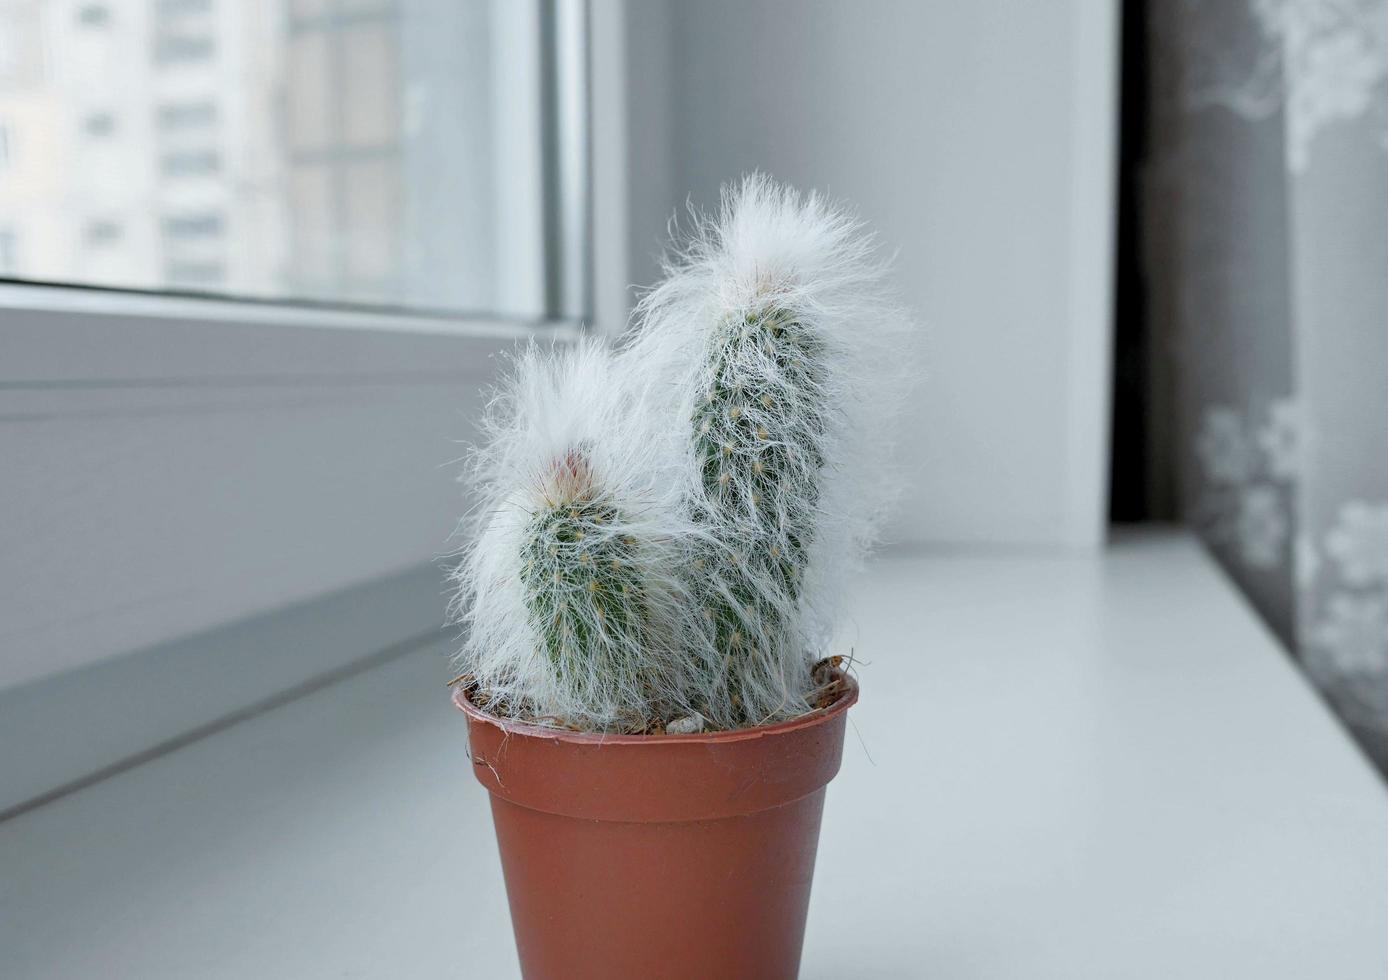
399, 153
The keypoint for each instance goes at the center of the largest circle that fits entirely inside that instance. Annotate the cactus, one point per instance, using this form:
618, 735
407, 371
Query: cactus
758, 429
781, 357
583, 584
661, 535
571, 590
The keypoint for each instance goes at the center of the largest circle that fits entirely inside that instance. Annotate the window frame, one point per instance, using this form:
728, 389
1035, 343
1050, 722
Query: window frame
76, 358
568, 239
213, 311
96, 353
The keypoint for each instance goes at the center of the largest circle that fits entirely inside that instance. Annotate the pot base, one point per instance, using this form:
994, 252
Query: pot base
596, 900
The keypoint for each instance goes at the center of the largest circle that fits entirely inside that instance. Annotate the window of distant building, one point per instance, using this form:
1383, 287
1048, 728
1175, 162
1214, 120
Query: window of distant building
103, 232
193, 226
177, 117
99, 124
94, 15
191, 163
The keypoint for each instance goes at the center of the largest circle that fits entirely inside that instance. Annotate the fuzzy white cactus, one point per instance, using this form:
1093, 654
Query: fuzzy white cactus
771, 341
571, 588
661, 538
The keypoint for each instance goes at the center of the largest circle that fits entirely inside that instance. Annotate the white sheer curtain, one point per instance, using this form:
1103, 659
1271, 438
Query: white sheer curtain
1267, 257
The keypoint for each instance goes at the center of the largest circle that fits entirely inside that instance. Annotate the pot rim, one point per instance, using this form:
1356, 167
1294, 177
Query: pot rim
846, 700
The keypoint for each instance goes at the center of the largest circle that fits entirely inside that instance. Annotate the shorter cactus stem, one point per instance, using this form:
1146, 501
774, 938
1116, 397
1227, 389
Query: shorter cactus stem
583, 583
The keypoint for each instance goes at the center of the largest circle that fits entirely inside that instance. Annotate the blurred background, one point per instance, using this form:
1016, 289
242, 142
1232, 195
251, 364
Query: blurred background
259, 256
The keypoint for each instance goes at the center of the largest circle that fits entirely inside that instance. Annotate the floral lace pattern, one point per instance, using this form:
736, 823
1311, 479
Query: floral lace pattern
1359, 543
1350, 636
1321, 61
1278, 289
1247, 470
1353, 634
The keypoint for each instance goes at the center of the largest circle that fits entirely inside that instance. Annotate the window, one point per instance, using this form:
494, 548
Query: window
182, 116
193, 226
99, 125
105, 232
93, 15
172, 47
192, 163
381, 153
184, 31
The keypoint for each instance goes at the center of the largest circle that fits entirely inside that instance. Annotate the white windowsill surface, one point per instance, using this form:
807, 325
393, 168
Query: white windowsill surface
1080, 767
210, 308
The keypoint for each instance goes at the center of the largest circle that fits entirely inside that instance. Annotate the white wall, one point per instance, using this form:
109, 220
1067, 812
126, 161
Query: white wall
978, 137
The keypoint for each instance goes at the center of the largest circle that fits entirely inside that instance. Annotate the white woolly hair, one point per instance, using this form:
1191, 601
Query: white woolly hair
570, 585
775, 346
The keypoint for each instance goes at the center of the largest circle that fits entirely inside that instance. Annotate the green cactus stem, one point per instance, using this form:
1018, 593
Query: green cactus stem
759, 432
584, 587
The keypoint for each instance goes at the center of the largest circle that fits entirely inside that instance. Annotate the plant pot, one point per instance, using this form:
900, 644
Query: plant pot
629, 857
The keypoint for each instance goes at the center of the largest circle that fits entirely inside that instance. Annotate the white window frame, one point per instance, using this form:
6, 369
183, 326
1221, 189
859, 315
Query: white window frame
132, 372
71, 354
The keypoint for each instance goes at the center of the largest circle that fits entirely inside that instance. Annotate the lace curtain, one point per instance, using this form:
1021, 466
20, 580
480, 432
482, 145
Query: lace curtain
1266, 258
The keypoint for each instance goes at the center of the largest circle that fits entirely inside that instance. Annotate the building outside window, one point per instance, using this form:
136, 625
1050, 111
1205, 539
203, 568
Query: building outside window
382, 153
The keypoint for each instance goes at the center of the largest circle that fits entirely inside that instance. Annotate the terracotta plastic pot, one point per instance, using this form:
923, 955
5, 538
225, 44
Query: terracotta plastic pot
631, 857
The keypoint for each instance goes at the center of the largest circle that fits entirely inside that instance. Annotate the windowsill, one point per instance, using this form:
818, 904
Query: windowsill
1079, 766
41, 297
104, 717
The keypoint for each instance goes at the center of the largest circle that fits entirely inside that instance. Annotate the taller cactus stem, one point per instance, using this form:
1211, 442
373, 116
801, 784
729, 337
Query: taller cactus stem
759, 429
